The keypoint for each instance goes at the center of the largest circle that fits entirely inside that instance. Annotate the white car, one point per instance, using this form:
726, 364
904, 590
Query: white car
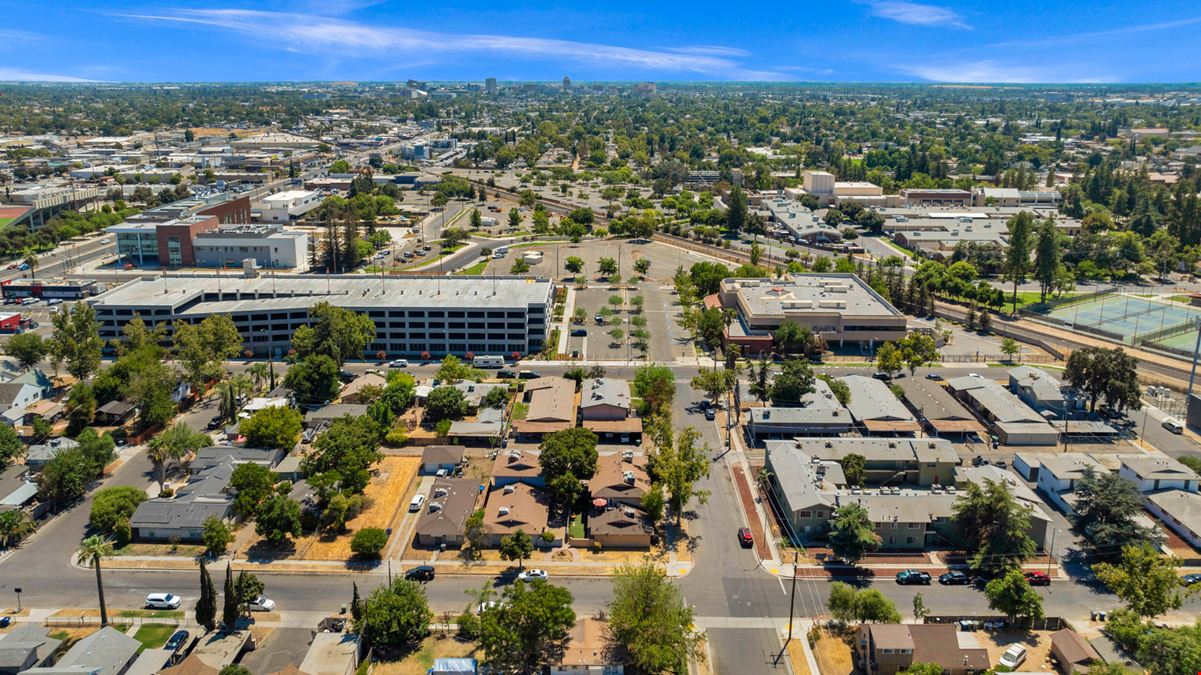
530, 575
261, 604
416, 504
399, 363
106, 241
163, 601
1013, 657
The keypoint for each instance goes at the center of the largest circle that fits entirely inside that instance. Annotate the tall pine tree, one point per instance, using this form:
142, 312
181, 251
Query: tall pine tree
229, 611
206, 606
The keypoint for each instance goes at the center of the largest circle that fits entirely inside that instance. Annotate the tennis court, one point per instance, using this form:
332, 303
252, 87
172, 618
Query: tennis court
1127, 316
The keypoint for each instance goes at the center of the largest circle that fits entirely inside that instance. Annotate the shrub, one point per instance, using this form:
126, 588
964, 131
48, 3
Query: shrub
548, 536
469, 625
369, 541
396, 438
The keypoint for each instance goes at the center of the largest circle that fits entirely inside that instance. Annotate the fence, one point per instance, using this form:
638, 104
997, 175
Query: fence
1045, 623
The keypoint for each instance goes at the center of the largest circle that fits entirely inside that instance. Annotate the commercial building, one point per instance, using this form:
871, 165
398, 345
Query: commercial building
1180, 511
876, 410
1014, 422
268, 245
837, 307
818, 183
289, 205
412, 315
936, 197
941, 414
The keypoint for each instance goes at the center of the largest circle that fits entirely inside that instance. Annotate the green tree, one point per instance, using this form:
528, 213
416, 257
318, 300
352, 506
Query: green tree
993, 527
890, 358
65, 477
1010, 347
920, 612
713, 383
642, 266
656, 386
252, 484
840, 389
75, 340
848, 605
1017, 256
853, 468
216, 536
568, 457
792, 383
11, 446
337, 332
313, 379
202, 349
452, 371
527, 631
517, 546
851, 533
173, 444
347, 449
445, 403
112, 507
1145, 580
574, 264
678, 468
275, 427
395, 616
27, 348
90, 552
247, 588
230, 606
206, 604
649, 621
1012, 595
929, 668
278, 518
149, 390
1170, 651
736, 212
15, 525
917, 350
234, 669
1105, 515
607, 266
1046, 257
653, 503
369, 541
473, 532
1105, 374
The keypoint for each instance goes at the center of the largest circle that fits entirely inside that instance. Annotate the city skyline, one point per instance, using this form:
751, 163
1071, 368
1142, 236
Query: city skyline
374, 40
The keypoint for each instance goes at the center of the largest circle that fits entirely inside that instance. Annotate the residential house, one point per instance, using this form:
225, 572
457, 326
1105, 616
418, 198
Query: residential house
619, 479
215, 455
181, 518
1180, 511
886, 649
16, 488
326, 414
114, 413
605, 409
515, 507
1152, 473
551, 402
15, 397
1014, 422
152, 662
517, 466
331, 654
26, 646
620, 526
435, 458
588, 651
213, 652
890, 461
1042, 391
1073, 654
474, 393
108, 651
39, 454
451, 503
1058, 473
353, 391
876, 410
937, 409
819, 414
487, 428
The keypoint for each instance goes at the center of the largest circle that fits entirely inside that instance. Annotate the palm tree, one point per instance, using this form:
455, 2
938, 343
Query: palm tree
31, 259
91, 550
258, 374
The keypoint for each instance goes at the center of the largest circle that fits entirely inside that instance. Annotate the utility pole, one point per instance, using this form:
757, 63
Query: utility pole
1051, 550
791, 605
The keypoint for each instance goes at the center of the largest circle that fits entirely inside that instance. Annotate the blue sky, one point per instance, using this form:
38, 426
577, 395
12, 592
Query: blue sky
664, 40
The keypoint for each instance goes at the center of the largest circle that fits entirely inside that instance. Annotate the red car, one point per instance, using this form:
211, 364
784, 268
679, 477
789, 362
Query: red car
1037, 579
745, 537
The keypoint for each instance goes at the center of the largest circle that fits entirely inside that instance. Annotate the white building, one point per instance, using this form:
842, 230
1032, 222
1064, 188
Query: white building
282, 207
1057, 476
269, 245
819, 183
1152, 473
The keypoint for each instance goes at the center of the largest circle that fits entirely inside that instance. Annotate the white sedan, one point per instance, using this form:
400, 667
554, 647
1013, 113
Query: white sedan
530, 575
261, 604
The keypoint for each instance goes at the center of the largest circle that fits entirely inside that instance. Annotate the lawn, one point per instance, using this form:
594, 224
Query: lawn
897, 247
475, 270
5, 221
576, 529
520, 410
153, 635
1175, 298
387, 493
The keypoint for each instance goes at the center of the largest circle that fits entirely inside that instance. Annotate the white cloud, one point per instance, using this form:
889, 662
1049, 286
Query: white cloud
989, 71
709, 50
915, 14
18, 75
1085, 37
309, 33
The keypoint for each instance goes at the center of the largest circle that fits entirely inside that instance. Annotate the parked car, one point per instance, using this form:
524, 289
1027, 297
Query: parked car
163, 601
531, 574
578, 332
954, 578
1037, 578
416, 504
505, 374
421, 573
908, 577
710, 414
1190, 579
933, 376
399, 363
745, 538
599, 318
1013, 657
529, 375
1173, 425
882, 376
178, 640
261, 604
346, 376
215, 423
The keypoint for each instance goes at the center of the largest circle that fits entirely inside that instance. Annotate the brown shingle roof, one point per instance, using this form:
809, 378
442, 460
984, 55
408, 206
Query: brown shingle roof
516, 507
516, 464
609, 480
455, 499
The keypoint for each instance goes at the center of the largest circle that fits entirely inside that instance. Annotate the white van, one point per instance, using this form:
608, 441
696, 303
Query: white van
415, 505
1173, 425
488, 362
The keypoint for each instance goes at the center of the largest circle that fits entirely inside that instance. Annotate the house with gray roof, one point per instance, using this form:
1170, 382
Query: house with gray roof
39, 454
326, 414
937, 409
1180, 511
819, 414
1014, 422
1058, 474
1042, 391
215, 455
876, 409
487, 427
16, 488
1155, 472
604, 398
181, 518
15, 396
26, 646
890, 461
108, 651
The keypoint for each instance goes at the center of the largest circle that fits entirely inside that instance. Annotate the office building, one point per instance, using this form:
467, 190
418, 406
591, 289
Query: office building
412, 315
936, 197
490, 86
289, 205
269, 245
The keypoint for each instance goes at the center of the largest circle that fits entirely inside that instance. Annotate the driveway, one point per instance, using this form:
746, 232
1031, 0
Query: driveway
282, 647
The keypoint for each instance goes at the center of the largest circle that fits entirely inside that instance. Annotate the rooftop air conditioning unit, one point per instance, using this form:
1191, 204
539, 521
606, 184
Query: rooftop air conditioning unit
439, 492
508, 489
627, 455
435, 507
628, 477
629, 513
504, 511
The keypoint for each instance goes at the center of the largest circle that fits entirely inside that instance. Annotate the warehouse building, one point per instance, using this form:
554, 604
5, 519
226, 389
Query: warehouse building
412, 315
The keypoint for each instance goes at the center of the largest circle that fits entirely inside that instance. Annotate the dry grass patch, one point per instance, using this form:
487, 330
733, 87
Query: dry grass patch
796, 655
1036, 642
439, 646
388, 493
833, 654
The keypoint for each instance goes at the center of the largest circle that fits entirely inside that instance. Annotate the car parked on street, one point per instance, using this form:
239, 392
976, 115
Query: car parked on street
506, 374
745, 538
163, 601
261, 604
531, 574
421, 573
398, 363
909, 577
954, 578
1037, 578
